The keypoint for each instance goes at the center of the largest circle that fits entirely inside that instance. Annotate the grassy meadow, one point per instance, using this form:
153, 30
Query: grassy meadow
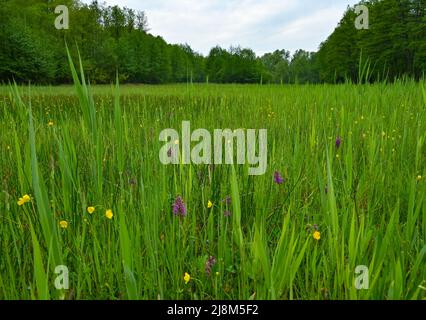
73, 148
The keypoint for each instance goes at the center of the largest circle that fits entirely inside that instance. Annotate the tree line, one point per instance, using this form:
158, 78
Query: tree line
111, 39
393, 46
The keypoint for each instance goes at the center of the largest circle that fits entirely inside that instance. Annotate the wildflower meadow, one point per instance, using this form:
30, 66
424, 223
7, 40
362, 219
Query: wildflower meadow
88, 210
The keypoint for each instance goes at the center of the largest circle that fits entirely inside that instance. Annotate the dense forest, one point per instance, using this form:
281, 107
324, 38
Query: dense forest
394, 45
111, 39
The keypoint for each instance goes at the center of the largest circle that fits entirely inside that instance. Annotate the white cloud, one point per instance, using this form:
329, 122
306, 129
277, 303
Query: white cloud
307, 32
261, 25
204, 25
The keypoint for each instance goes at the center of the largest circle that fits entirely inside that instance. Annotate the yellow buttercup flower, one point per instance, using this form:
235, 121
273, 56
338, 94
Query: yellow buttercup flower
186, 277
91, 209
209, 204
109, 214
63, 224
26, 198
317, 235
419, 177
50, 123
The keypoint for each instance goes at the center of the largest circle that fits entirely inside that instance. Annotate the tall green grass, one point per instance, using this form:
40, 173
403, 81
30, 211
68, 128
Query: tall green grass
366, 197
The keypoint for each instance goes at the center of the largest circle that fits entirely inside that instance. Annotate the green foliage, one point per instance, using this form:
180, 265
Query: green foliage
366, 197
114, 39
236, 65
111, 40
394, 44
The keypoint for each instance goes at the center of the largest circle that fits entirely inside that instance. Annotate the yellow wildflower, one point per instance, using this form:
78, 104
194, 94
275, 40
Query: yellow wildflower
91, 209
317, 235
419, 177
26, 198
63, 224
186, 277
109, 214
209, 204
50, 123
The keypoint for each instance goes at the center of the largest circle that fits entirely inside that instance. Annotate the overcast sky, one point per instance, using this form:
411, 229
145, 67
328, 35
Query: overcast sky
263, 25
